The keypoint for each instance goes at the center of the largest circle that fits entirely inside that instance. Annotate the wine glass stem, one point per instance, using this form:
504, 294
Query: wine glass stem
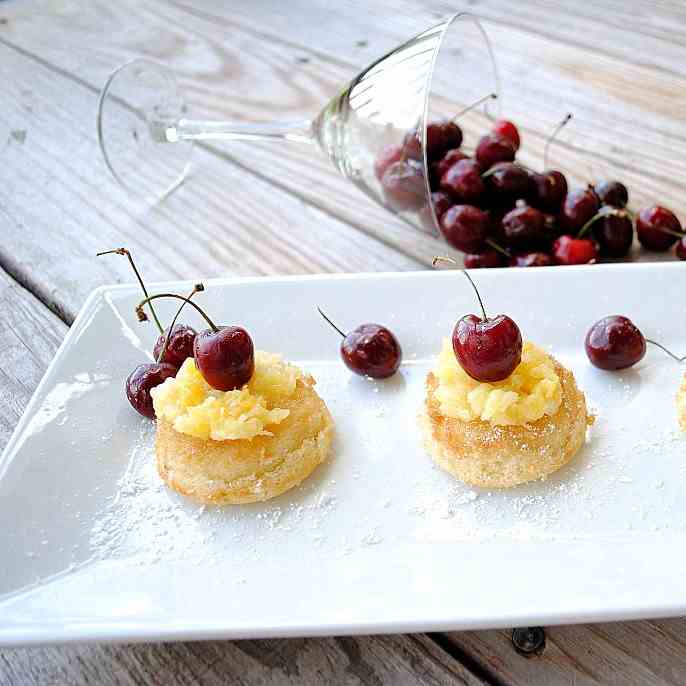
200, 130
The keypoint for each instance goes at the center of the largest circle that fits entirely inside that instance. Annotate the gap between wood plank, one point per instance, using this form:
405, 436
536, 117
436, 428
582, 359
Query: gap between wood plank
14, 271
464, 658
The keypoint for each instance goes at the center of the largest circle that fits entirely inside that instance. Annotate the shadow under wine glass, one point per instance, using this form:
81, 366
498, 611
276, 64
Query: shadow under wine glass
147, 140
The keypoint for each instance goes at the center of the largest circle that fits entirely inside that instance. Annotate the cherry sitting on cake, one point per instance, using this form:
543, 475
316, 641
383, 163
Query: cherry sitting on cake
235, 425
499, 411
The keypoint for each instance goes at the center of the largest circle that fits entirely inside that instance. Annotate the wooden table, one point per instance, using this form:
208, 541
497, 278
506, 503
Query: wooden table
248, 209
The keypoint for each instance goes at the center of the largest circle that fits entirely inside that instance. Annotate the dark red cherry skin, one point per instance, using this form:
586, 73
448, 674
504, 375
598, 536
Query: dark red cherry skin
524, 226
403, 185
463, 182
487, 259
531, 259
615, 234
225, 358
568, 250
447, 161
507, 182
466, 228
579, 206
142, 380
508, 130
488, 350
179, 347
612, 193
680, 250
441, 136
387, 156
548, 190
371, 350
494, 148
614, 342
441, 203
655, 228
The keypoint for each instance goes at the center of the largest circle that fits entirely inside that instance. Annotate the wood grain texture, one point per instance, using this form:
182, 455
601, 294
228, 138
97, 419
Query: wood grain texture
276, 66
29, 336
645, 653
58, 208
372, 661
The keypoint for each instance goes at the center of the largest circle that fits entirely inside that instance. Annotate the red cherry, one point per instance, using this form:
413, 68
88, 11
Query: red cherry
466, 227
487, 259
369, 350
568, 250
494, 148
403, 185
225, 357
487, 349
447, 161
615, 342
463, 182
508, 130
387, 156
657, 228
612, 193
614, 233
579, 206
531, 259
441, 203
508, 182
524, 226
142, 380
441, 136
179, 347
549, 190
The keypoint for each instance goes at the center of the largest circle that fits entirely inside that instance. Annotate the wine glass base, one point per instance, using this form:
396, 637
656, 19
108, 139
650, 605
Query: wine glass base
137, 97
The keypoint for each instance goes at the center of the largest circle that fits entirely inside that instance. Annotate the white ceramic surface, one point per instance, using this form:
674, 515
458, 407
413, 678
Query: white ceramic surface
94, 547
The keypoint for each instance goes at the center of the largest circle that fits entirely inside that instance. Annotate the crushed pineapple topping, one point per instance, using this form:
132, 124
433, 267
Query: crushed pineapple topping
193, 407
531, 391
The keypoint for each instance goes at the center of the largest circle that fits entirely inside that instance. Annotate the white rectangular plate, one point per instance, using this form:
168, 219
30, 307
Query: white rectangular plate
377, 540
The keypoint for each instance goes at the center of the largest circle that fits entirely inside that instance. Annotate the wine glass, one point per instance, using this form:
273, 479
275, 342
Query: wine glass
446, 71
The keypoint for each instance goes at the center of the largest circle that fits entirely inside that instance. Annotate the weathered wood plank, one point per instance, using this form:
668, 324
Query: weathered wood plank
29, 337
624, 122
58, 207
641, 653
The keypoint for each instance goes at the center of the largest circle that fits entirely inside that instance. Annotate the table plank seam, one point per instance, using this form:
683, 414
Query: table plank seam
470, 662
14, 272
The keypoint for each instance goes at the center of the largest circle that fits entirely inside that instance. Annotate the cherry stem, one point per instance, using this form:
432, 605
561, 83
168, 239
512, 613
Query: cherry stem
196, 289
330, 322
126, 253
139, 307
444, 258
490, 96
498, 248
552, 137
476, 290
662, 347
603, 212
671, 232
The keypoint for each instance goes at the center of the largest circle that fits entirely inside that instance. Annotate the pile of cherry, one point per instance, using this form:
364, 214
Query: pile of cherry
501, 213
